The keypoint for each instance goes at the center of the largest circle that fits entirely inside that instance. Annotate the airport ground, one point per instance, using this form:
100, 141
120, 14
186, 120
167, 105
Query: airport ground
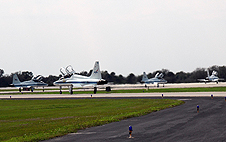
181, 123
12, 90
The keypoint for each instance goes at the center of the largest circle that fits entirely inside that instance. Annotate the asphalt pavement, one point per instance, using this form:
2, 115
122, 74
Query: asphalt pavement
178, 124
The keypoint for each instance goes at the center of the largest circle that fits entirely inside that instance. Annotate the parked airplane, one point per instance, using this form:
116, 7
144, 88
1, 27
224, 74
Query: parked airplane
28, 85
74, 80
212, 78
158, 79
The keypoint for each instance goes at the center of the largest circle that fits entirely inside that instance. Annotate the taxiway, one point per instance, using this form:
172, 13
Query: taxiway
114, 95
181, 123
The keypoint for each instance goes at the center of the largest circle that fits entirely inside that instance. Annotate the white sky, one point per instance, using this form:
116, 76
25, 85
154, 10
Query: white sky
126, 36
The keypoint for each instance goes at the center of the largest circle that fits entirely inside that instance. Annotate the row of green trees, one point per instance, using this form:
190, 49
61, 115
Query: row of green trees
179, 77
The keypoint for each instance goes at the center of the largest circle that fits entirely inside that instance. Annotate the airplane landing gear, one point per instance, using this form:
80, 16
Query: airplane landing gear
95, 90
60, 90
71, 89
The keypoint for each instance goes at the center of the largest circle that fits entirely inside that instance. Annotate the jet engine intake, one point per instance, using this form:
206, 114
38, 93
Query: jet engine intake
102, 82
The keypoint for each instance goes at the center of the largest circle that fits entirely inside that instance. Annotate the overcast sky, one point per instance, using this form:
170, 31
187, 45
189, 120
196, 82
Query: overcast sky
126, 36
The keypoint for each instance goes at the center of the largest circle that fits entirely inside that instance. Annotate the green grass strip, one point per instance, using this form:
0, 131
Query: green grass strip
35, 120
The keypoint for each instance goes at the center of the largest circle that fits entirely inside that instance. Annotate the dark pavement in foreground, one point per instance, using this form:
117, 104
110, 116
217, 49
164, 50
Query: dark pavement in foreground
181, 123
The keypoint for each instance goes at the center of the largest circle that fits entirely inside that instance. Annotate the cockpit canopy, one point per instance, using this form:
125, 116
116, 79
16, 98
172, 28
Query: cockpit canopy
214, 73
67, 72
159, 76
37, 78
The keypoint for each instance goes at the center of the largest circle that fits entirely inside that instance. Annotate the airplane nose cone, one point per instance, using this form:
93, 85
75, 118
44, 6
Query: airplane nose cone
58, 82
55, 83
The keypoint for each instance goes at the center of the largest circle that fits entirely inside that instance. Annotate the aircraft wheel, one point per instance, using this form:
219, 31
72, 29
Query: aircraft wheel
71, 90
95, 90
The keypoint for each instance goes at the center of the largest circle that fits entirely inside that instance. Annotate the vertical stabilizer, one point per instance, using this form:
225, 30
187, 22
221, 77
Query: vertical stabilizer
145, 77
15, 79
96, 74
208, 74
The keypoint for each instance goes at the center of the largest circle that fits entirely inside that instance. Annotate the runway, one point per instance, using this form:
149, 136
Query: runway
8, 90
114, 95
181, 123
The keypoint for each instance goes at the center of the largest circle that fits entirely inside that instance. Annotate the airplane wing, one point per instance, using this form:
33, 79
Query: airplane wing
148, 82
221, 79
204, 80
77, 85
23, 86
216, 80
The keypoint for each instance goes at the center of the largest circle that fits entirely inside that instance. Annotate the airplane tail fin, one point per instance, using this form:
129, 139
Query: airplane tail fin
15, 79
145, 77
208, 74
96, 74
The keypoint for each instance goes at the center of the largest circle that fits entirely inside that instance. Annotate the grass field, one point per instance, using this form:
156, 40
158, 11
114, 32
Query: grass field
34, 120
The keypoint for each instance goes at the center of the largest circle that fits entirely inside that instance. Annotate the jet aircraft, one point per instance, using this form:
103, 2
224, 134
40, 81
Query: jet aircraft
212, 78
28, 85
74, 80
158, 79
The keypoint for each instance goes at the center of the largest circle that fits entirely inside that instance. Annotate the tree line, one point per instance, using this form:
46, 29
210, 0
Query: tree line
179, 77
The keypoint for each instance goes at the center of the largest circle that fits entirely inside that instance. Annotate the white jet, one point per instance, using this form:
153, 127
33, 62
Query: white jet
73, 80
212, 78
158, 79
28, 85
